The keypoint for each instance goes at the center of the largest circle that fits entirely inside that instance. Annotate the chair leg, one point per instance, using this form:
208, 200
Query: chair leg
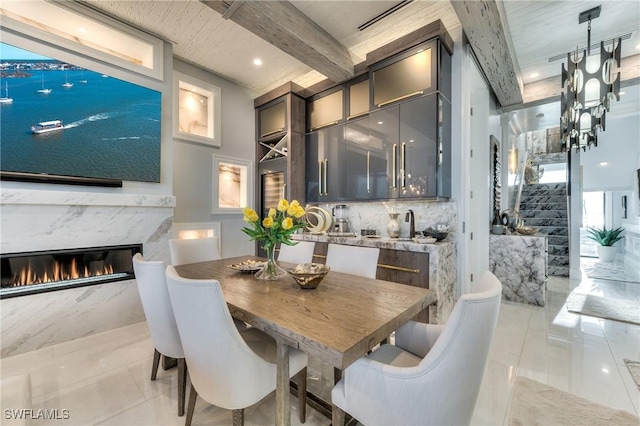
193, 395
337, 416
238, 417
156, 363
182, 385
301, 381
168, 362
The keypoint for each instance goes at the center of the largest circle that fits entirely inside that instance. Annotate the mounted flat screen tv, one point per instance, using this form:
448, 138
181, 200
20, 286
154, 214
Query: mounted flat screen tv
60, 120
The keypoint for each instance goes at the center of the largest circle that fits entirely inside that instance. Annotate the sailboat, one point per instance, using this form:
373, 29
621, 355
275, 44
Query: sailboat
66, 82
6, 99
43, 90
82, 79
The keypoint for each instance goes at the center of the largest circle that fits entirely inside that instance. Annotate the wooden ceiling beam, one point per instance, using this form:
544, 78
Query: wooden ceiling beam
483, 27
283, 25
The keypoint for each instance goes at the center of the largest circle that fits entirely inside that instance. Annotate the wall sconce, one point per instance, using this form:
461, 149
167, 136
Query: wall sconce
513, 161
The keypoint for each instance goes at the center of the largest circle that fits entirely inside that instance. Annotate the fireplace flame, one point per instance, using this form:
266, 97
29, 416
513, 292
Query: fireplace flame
59, 272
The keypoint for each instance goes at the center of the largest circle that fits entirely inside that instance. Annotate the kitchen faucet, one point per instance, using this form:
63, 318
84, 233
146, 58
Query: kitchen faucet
412, 227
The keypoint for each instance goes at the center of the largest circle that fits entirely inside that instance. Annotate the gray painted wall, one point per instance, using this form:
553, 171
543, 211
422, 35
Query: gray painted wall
193, 162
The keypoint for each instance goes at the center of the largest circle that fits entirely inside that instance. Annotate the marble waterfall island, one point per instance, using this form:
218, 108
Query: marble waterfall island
520, 263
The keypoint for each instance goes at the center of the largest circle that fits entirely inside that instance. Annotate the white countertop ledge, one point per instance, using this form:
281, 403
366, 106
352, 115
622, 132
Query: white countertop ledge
65, 198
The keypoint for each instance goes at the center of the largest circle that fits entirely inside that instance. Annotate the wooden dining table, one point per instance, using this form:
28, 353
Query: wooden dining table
338, 322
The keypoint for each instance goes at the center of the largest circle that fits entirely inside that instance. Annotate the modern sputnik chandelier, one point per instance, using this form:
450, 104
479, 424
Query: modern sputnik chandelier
589, 91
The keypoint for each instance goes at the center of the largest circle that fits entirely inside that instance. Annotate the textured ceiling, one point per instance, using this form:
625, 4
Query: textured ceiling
538, 29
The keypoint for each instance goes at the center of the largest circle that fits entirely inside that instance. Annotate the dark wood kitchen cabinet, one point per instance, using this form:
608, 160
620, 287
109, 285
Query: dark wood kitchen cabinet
325, 165
280, 138
272, 118
394, 119
412, 135
365, 163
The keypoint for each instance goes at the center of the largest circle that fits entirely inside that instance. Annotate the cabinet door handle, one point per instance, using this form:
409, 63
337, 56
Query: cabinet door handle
319, 177
331, 123
394, 154
400, 98
403, 163
368, 171
326, 167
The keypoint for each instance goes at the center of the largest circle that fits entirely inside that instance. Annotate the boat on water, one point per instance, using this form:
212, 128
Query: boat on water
43, 90
66, 82
82, 79
47, 126
6, 99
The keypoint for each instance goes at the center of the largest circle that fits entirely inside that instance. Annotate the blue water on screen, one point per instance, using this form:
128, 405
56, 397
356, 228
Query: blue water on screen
111, 127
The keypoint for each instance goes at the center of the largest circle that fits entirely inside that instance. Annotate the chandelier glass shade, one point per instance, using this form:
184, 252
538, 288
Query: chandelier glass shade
591, 83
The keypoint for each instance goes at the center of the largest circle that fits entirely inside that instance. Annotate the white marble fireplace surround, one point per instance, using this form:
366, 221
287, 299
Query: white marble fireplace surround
34, 220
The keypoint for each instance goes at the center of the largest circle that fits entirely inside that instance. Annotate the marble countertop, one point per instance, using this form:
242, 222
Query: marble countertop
382, 242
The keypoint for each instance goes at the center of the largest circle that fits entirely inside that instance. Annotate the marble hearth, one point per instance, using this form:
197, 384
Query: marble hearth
35, 220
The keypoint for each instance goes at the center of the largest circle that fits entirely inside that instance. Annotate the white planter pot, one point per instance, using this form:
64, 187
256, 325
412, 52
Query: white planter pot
607, 253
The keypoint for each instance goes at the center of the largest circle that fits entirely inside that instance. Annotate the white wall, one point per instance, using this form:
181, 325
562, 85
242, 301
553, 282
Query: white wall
193, 165
460, 100
619, 146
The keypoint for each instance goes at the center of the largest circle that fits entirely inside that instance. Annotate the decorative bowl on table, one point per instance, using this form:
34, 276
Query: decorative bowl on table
308, 275
248, 266
438, 235
526, 230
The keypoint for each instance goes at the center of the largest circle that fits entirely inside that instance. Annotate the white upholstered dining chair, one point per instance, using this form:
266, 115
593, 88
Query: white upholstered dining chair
229, 368
302, 252
194, 250
152, 287
361, 261
433, 373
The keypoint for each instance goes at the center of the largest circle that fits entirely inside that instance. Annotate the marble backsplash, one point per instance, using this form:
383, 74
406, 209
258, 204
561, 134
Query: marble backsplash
35, 220
375, 215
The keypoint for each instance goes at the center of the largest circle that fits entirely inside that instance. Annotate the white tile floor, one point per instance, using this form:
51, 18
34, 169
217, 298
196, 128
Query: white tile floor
104, 379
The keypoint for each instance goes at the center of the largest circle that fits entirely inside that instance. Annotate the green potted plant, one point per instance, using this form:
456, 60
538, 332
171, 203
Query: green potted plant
606, 238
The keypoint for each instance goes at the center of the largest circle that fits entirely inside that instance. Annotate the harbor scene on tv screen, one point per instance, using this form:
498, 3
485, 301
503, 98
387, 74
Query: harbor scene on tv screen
60, 119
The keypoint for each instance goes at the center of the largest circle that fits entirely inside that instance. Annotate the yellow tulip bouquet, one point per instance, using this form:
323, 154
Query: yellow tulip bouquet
277, 227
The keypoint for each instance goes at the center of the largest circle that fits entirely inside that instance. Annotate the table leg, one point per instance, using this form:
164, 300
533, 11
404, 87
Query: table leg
283, 404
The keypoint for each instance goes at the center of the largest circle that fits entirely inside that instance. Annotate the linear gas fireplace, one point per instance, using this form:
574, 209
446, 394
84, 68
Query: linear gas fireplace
42, 271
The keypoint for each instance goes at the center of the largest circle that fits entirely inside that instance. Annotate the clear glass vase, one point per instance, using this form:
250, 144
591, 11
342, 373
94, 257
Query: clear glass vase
271, 270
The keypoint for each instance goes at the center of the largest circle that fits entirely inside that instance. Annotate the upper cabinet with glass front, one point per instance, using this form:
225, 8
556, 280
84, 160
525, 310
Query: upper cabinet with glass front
357, 94
418, 71
395, 121
325, 109
272, 119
